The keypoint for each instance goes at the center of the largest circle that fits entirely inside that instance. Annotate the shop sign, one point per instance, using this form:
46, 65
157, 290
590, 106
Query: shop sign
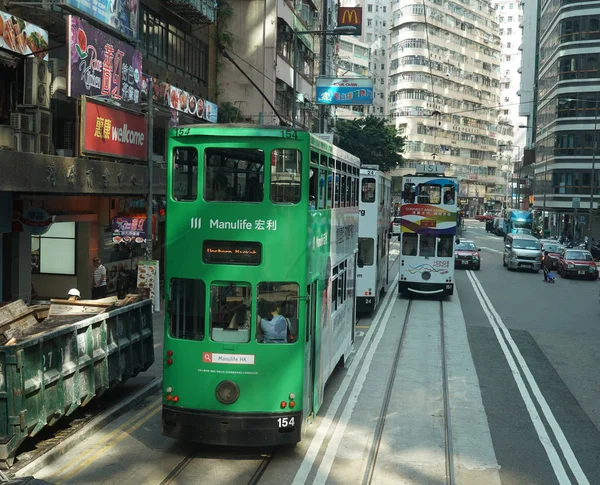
35, 221
165, 94
101, 65
129, 229
114, 132
21, 37
354, 91
120, 15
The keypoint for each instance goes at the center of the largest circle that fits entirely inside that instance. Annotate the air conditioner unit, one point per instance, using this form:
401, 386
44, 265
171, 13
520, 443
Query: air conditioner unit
57, 67
43, 144
59, 84
42, 121
7, 138
21, 122
36, 90
25, 142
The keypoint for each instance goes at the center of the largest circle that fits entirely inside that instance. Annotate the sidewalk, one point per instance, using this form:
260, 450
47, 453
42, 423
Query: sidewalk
125, 397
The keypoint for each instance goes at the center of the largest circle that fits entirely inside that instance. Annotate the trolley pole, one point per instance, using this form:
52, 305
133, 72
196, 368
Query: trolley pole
150, 179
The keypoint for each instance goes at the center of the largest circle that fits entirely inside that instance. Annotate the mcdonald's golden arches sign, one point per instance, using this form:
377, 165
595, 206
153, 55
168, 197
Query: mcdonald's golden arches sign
350, 17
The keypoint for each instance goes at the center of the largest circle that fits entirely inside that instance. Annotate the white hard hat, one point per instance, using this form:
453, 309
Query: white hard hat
74, 292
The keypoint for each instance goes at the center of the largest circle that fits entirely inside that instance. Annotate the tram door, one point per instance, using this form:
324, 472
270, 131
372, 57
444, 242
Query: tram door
309, 350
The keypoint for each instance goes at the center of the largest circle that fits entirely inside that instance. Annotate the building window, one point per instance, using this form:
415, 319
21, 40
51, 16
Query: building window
168, 46
508, 44
370, 8
501, 31
54, 252
369, 23
508, 31
369, 37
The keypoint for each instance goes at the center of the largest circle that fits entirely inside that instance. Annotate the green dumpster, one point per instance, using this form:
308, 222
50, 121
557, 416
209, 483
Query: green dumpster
45, 378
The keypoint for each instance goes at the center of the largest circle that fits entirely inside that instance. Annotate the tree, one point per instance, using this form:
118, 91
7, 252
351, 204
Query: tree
229, 113
371, 140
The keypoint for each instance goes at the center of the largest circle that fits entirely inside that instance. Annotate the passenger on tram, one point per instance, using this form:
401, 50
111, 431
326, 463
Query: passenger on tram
274, 326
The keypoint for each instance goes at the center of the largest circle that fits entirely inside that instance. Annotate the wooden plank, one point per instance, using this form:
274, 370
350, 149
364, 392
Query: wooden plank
102, 302
16, 317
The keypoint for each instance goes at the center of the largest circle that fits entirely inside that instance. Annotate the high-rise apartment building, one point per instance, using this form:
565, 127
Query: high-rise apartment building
444, 90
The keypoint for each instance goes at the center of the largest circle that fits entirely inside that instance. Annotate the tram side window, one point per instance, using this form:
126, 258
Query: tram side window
230, 312
337, 194
449, 194
286, 176
330, 176
322, 188
334, 289
410, 243
356, 191
277, 313
185, 174
313, 188
343, 191
366, 250
234, 174
444, 246
368, 190
429, 194
408, 194
350, 191
427, 246
186, 308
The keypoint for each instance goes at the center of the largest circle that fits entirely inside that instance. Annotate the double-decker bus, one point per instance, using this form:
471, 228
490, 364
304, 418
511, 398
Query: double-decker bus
428, 217
261, 250
374, 207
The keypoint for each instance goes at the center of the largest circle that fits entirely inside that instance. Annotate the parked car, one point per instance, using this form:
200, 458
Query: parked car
554, 248
466, 255
577, 262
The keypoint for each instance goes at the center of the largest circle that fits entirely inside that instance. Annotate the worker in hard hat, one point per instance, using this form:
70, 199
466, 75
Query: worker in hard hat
74, 294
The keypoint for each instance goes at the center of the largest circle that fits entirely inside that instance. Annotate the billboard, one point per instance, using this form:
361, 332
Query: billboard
350, 17
344, 91
113, 132
100, 64
21, 37
119, 15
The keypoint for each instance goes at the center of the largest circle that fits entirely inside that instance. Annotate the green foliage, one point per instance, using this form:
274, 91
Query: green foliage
229, 113
374, 142
225, 38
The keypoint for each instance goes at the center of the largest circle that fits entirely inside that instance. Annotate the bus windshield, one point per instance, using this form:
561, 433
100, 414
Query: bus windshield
526, 244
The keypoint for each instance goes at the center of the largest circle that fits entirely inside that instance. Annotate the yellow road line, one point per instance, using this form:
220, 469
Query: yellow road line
113, 435
363, 326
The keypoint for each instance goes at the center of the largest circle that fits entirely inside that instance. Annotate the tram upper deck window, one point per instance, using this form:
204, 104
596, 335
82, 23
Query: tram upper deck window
186, 308
449, 194
429, 194
286, 176
408, 194
234, 174
230, 312
368, 190
277, 313
185, 174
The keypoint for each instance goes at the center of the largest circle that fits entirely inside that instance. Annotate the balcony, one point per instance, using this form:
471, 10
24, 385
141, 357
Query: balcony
196, 12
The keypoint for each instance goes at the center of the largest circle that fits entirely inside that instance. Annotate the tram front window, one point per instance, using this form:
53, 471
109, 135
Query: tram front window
234, 174
429, 194
286, 176
368, 190
409, 244
366, 250
230, 312
427, 246
444, 248
277, 313
186, 308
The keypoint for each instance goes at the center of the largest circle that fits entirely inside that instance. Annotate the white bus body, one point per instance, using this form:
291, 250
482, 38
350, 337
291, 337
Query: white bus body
374, 209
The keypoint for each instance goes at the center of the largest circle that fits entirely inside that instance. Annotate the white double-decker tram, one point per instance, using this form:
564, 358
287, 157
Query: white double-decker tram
428, 217
374, 210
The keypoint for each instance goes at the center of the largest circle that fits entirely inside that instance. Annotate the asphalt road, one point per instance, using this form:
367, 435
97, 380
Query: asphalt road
555, 333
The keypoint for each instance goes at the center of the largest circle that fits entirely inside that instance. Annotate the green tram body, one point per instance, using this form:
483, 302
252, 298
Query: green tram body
293, 242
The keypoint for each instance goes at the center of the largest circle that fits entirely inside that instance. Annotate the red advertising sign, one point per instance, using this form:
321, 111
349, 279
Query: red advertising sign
350, 17
113, 132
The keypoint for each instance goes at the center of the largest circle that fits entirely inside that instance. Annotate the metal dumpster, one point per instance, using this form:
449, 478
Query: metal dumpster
47, 377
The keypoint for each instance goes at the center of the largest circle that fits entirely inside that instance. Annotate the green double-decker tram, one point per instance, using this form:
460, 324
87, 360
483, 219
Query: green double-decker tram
261, 249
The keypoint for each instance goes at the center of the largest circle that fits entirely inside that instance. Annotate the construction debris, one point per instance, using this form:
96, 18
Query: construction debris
19, 321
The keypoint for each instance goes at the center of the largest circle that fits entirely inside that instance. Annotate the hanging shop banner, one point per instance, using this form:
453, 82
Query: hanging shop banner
344, 91
35, 221
119, 15
165, 94
114, 132
21, 37
101, 65
129, 229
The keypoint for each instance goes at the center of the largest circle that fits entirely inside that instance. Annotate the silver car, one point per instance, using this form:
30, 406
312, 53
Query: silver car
522, 252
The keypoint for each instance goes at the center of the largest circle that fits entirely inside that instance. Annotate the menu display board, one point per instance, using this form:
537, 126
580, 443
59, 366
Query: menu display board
148, 281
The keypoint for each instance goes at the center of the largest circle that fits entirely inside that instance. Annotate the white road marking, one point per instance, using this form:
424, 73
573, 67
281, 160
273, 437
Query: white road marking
338, 434
504, 338
317, 441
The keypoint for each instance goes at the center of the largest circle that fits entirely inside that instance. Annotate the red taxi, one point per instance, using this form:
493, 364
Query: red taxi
554, 249
577, 262
466, 255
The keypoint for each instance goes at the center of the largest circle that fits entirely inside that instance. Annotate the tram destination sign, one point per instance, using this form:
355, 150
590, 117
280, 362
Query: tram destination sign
232, 252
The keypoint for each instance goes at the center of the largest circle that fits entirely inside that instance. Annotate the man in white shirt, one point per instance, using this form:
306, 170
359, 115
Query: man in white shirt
99, 281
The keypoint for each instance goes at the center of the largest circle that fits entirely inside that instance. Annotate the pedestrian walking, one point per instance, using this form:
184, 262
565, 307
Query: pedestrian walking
547, 266
99, 280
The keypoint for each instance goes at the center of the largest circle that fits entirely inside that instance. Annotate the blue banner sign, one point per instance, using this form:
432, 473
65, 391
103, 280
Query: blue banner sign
120, 15
344, 91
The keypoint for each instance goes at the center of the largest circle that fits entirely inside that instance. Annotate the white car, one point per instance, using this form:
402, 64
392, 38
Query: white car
396, 226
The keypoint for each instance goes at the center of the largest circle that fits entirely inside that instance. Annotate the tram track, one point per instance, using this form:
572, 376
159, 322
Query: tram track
198, 455
381, 420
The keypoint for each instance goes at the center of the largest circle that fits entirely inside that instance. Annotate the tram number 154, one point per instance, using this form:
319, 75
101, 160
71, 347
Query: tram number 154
285, 422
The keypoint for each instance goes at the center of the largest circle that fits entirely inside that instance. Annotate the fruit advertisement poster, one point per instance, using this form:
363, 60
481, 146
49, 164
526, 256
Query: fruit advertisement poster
21, 37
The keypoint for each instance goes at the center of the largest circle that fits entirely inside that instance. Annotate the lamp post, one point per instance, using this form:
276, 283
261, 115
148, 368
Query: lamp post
346, 30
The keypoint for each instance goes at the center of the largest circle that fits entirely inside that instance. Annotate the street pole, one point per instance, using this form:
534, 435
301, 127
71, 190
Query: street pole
323, 63
545, 190
150, 163
294, 72
593, 184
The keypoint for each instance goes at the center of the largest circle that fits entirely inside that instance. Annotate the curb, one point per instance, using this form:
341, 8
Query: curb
90, 428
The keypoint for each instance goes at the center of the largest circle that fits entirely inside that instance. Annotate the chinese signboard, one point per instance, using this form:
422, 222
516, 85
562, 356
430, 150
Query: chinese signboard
121, 15
100, 64
129, 229
167, 95
350, 17
112, 131
21, 37
344, 91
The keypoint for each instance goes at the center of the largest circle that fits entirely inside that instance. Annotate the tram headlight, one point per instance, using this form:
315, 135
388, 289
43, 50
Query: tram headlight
227, 392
